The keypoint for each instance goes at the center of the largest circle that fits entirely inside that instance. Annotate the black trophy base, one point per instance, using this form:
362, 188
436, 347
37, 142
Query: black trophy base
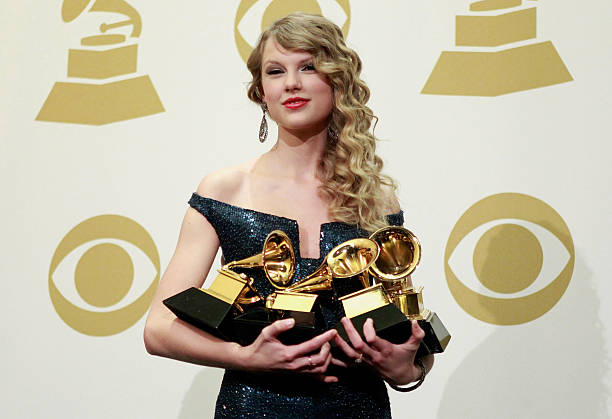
203, 311
436, 336
393, 325
247, 326
389, 322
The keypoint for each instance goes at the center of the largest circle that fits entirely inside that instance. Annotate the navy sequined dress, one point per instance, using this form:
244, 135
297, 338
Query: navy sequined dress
359, 393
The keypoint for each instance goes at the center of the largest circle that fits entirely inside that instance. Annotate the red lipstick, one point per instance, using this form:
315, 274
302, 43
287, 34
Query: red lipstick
295, 102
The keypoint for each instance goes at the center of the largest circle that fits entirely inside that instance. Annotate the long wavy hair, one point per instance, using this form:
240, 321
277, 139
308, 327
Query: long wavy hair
349, 170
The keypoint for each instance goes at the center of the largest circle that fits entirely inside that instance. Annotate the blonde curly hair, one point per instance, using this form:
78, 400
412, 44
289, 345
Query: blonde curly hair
350, 170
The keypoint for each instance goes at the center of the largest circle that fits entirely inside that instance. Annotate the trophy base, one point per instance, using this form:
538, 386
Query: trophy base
99, 104
202, 310
247, 326
436, 336
393, 325
390, 324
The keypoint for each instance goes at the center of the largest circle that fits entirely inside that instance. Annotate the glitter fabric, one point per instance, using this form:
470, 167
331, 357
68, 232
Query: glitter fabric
359, 393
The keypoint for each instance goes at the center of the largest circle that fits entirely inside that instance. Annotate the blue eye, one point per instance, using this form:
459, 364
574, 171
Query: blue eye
308, 67
274, 71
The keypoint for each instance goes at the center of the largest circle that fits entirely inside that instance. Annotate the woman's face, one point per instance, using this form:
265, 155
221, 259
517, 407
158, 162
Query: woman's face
298, 97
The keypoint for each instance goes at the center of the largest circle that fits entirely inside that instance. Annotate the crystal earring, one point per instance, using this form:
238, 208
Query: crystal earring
263, 127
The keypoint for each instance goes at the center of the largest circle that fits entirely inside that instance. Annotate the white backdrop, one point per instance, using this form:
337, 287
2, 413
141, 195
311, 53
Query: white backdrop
447, 152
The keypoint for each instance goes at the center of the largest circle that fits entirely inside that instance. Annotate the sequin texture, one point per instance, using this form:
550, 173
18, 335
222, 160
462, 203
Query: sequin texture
359, 393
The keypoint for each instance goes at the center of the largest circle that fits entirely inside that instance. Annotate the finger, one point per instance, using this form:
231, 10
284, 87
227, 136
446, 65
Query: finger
377, 343
346, 348
313, 344
327, 360
272, 331
338, 362
360, 346
417, 335
319, 359
326, 378
330, 379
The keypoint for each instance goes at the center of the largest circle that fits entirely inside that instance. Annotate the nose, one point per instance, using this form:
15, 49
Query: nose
293, 81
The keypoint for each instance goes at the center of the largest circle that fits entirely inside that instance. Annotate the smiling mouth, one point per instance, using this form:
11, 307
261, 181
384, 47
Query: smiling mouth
295, 103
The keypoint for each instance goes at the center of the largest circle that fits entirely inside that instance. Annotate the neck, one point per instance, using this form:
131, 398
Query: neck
299, 152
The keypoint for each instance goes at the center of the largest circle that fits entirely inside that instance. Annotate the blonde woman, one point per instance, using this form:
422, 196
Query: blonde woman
321, 183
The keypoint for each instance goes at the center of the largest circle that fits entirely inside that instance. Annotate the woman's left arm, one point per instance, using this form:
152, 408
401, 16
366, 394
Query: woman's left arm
394, 362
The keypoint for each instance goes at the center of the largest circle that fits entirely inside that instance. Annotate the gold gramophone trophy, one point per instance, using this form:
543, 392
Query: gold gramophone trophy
213, 309
102, 88
299, 301
400, 253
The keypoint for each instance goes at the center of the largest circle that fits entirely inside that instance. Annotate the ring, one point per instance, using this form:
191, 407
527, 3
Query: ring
358, 360
310, 362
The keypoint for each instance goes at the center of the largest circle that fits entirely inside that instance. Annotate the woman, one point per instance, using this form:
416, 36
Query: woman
321, 184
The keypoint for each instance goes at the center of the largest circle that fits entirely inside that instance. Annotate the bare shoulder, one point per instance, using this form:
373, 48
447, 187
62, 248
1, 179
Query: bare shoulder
391, 203
224, 184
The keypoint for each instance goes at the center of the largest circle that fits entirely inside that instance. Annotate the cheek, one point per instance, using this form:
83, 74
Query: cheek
269, 90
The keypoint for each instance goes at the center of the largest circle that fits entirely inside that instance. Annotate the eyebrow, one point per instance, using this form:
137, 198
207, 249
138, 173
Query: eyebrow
278, 63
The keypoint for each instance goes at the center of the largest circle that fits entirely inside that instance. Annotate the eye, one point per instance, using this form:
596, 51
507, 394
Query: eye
274, 71
308, 67
103, 275
509, 259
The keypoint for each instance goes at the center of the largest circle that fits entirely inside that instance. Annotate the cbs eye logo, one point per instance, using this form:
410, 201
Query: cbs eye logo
509, 259
93, 283
253, 16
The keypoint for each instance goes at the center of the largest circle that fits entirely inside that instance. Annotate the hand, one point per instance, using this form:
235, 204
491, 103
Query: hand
267, 353
394, 362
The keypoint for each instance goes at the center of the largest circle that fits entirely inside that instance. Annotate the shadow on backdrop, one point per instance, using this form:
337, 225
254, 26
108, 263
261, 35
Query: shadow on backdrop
199, 401
551, 367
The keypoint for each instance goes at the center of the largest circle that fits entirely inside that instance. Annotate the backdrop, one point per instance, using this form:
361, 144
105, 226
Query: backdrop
494, 119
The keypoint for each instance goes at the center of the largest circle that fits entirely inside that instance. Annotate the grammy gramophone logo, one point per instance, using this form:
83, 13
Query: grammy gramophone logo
102, 86
253, 16
491, 65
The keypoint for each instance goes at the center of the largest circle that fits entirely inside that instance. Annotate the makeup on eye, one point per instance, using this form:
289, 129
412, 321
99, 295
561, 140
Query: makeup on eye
303, 67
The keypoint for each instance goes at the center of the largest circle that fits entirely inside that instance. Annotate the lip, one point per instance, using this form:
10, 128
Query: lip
295, 102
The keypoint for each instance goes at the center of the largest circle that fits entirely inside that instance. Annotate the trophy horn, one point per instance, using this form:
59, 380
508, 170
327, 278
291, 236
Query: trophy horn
349, 258
277, 259
400, 253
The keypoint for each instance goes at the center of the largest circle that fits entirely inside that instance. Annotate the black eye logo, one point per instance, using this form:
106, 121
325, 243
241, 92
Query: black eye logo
514, 255
253, 16
98, 274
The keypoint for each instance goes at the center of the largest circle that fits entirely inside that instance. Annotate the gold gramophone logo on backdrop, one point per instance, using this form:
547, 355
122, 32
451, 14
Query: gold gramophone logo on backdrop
497, 67
253, 16
509, 259
108, 90
99, 281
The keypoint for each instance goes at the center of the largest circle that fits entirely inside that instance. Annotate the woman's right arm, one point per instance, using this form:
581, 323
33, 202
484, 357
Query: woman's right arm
166, 335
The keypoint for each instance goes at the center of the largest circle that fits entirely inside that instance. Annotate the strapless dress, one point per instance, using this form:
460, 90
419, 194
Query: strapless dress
359, 393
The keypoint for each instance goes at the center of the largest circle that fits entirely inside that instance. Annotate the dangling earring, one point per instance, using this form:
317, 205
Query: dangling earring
263, 127
332, 134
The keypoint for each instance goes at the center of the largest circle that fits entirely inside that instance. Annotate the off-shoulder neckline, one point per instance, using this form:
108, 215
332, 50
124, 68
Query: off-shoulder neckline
400, 212
294, 222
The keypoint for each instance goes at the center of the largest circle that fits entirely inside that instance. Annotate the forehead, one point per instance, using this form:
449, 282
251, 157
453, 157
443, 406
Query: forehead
274, 52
